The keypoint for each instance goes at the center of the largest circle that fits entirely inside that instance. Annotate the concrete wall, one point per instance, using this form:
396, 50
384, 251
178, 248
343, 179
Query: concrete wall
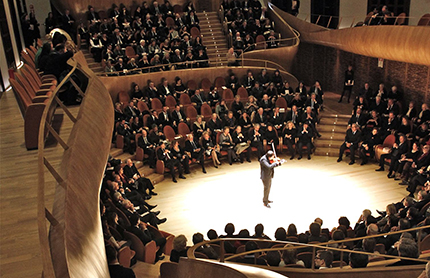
418, 9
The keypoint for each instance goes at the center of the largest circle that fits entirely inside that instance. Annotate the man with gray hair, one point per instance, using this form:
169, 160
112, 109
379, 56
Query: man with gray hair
407, 248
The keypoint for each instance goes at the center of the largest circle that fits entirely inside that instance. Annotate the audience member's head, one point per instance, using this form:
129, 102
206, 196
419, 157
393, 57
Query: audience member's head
369, 245
357, 260
212, 234
323, 259
280, 234
111, 254
180, 243
408, 248
229, 229
315, 229
344, 221
259, 229
273, 258
289, 256
292, 230
197, 238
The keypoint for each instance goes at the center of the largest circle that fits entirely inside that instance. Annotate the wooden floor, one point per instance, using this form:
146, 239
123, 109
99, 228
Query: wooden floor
302, 190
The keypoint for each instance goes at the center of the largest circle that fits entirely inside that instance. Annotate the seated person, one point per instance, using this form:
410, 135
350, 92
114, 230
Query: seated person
115, 269
241, 144
397, 151
256, 139
305, 136
210, 149
140, 230
367, 147
226, 143
358, 260
352, 139
179, 154
131, 172
289, 138
194, 150
205, 249
323, 259
124, 130
251, 258
289, 256
271, 136
169, 161
148, 148
179, 248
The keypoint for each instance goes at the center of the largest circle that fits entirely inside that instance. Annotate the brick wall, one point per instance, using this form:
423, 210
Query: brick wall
326, 64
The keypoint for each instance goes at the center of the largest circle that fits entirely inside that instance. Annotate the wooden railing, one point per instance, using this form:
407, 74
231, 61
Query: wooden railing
70, 233
218, 63
315, 247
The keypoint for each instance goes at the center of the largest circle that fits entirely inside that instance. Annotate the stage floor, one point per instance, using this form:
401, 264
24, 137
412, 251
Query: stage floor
301, 191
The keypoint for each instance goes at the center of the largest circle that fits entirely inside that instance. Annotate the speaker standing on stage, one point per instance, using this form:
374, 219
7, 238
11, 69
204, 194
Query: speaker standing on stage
267, 164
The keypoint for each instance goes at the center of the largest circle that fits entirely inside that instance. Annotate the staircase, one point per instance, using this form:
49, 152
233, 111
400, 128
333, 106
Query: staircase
144, 170
96, 67
333, 129
213, 37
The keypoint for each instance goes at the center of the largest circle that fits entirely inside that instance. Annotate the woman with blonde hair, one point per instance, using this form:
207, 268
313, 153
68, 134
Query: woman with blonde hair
210, 149
179, 248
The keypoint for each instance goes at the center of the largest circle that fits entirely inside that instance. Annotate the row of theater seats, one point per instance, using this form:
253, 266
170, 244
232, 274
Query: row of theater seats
33, 92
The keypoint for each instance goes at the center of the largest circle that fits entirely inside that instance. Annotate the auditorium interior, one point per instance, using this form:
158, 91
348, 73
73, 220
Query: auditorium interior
137, 133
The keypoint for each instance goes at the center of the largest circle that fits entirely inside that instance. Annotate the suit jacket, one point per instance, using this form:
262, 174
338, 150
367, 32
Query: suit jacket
360, 120
163, 90
259, 119
130, 171
162, 156
175, 116
151, 121
141, 142
353, 138
266, 168
393, 125
190, 148
305, 137
297, 118
144, 236
198, 100
165, 120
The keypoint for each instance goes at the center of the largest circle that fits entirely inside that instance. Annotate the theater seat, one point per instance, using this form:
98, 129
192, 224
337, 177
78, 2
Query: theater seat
145, 253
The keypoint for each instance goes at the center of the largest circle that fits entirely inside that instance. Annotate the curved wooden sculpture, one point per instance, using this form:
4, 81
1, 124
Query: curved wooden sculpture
399, 43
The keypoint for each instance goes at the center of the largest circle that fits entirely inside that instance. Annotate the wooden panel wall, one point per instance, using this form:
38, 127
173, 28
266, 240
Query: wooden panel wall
327, 64
123, 83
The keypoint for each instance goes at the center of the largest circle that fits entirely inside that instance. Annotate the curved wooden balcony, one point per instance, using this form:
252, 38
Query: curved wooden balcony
408, 44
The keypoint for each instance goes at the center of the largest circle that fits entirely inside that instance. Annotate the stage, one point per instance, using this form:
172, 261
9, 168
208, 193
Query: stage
301, 191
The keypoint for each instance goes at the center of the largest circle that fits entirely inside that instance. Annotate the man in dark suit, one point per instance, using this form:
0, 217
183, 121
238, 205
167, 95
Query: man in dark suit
366, 92
178, 116
251, 258
194, 149
164, 117
166, 89
124, 130
389, 125
352, 138
115, 269
67, 22
396, 152
358, 118
141, 231
148, 148
153, 119
256, 139
170, 162
144, 184
198, 99
266, 174
294, 115
305, 136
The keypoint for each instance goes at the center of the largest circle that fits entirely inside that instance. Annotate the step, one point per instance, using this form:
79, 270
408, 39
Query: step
146, 171
124, 156
334, 121
155, 178
114, 152
332, 136
332, 128
341, 116
332, 143
324, 151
